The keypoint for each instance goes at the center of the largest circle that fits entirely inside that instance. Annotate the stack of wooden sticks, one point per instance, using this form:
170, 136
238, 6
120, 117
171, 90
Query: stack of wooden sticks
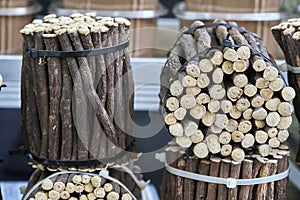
287, 35
228, 108
77, 108
81, 186
230, 99
254, 166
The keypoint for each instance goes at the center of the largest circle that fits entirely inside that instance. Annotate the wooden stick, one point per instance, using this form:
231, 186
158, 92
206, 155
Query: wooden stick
288, 93
188, 45
203, 98
225, 137
42, 96
217, 92
271, 186
285, 122
240, 80
232, 125
189, 184
201, 187
66, 113
226, 150
208, 119
201, 36
203, 81
250, 90
195, 90
240, 65
197, 137
55, 82
181, 163
248, 141
29, 128
257, 101
235, 113
257, 164
235, 170
281, 191
184, 141
272, 119
205, 65
242, 104
176, 129
213, 143
224, 173
197, 112
247, 114
214, 106
180, 113
188, 101
245, 174
272, 104
176, 88
234, 93
238, 154
172, 103
217, 76
201, 150
192, 70
266, 93
213, 171
263, 188
188, 81
285, 109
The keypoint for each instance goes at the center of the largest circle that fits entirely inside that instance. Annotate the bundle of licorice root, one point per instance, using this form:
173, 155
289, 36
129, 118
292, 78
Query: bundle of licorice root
287, 35
222, 93
77, 90
81, 186
254, 166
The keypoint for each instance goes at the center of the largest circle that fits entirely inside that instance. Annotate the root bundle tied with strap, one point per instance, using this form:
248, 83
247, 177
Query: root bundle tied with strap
223, 98
287, 35
122, 183
77, 92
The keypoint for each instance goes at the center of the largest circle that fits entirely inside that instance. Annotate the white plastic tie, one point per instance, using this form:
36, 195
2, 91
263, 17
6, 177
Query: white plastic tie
229, 182
286, 67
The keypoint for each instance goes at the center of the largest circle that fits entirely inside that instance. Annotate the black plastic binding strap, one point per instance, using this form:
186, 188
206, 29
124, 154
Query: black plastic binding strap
70, 163
33, 53
80, 163
2, 86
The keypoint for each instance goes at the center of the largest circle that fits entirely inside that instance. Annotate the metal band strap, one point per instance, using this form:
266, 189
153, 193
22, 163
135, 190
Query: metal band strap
103, 173
229, 182
286, 67
33, 53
